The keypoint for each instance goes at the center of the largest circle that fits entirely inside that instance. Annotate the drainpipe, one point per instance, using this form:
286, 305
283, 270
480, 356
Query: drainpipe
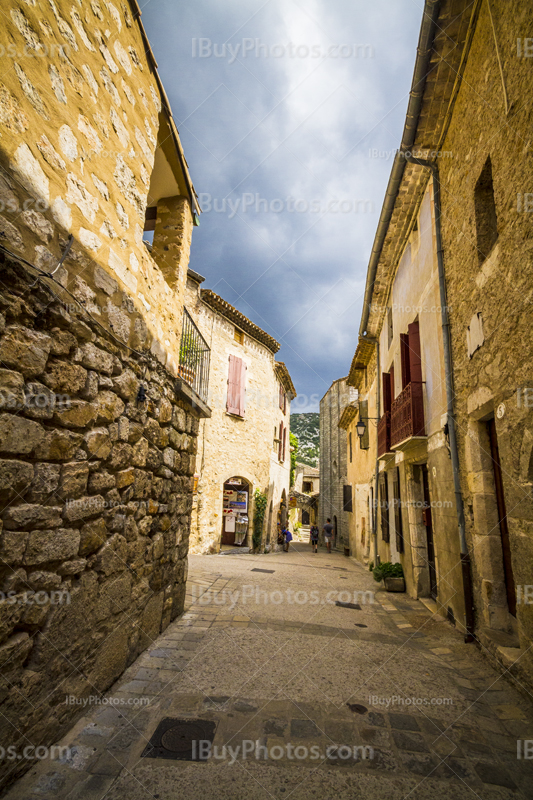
445, 321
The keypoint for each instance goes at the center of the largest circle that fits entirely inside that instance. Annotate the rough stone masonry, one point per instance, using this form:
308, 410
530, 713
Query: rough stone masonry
95, 492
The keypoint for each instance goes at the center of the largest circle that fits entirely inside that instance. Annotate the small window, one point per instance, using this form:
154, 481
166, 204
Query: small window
238, 336
485, 211
307, 486
347, 498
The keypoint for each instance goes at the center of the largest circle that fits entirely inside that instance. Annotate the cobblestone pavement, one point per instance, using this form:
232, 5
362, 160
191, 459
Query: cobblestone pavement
278, 670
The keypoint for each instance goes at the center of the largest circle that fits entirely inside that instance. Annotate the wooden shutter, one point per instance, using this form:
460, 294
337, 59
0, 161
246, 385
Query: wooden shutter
242, 387
363, 414
392, 392
415, 360
384, 506
280, 443
404, 355
398, 510
234, 375
284, 441
347, 498
385, 376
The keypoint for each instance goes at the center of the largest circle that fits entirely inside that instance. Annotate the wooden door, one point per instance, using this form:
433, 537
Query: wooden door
502, 519
426, 517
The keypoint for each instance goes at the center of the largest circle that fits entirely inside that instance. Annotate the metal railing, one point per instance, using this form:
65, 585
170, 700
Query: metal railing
407, 413
194, 357
384, 434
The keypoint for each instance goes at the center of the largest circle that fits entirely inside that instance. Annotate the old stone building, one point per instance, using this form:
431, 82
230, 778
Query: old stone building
304, 496
447, 306
97, 429
245, 444
335, 493
487, 215
362, 467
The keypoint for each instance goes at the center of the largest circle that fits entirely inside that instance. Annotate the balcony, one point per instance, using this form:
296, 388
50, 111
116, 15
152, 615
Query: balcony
384, 435
407, 414
194, 358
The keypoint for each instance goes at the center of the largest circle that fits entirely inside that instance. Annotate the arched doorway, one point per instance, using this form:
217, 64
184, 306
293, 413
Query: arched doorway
235, 511
305, 517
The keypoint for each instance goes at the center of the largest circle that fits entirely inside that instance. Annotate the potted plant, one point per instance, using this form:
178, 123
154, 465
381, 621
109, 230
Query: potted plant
392, 576
190, 356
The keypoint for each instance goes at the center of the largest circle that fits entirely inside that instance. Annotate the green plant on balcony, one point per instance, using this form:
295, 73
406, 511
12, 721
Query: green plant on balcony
190, 355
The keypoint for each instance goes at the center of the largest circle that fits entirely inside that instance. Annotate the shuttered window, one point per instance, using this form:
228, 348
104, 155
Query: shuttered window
280, 443
284, 442
363, 414
384, 508
347, 498
236, 386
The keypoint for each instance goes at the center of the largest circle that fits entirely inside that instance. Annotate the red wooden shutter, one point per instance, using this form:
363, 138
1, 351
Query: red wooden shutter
242, 387
392, 393
234, 376
280, 443
386, 392
415, 360
404, 354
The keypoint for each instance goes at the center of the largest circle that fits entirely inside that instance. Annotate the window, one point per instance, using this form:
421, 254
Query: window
307, 486
282, 399
284, 442
390, 329
280, 442
410, 355
347, 498
350, 445
485, 211
238, 336
236, 386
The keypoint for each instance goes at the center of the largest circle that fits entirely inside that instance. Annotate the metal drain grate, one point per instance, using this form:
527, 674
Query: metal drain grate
348, 605
256, 569
179, 739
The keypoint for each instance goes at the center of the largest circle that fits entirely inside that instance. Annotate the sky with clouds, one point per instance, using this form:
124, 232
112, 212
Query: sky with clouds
289, 114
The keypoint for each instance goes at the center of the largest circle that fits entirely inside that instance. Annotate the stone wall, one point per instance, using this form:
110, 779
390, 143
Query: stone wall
85, 147
492, 291
95, 498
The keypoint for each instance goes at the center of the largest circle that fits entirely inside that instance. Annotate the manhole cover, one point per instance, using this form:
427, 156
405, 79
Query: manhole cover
256, 569
180, 739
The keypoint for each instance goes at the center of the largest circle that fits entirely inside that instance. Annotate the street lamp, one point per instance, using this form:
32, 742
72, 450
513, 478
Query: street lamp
360, 428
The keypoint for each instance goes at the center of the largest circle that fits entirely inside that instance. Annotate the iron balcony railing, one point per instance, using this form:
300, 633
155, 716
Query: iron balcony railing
407, 413
384, 434
194, 357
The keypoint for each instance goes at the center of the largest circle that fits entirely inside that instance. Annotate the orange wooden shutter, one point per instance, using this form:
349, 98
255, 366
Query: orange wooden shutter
234, 374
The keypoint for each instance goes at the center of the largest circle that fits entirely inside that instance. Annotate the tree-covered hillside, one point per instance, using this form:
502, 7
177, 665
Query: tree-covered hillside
307, 428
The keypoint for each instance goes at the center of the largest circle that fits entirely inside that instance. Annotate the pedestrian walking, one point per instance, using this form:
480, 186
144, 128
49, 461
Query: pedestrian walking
314, 538
328, 534
288, 539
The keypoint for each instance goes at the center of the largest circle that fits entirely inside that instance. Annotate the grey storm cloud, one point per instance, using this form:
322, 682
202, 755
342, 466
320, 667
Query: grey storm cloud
289, 114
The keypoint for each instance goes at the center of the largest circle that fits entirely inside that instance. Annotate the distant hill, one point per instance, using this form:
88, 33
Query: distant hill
307, 428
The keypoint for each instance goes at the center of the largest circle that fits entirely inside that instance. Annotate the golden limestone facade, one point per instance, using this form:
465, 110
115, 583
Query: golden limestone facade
244, 445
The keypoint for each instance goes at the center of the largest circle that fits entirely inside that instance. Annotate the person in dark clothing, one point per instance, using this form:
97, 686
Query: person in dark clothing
328, 534
288, 539
314, 538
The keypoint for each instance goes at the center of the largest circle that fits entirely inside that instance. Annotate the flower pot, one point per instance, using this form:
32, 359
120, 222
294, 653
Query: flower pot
394, 584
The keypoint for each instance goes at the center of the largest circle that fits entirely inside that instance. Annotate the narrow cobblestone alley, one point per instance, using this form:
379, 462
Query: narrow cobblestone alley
283, 675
